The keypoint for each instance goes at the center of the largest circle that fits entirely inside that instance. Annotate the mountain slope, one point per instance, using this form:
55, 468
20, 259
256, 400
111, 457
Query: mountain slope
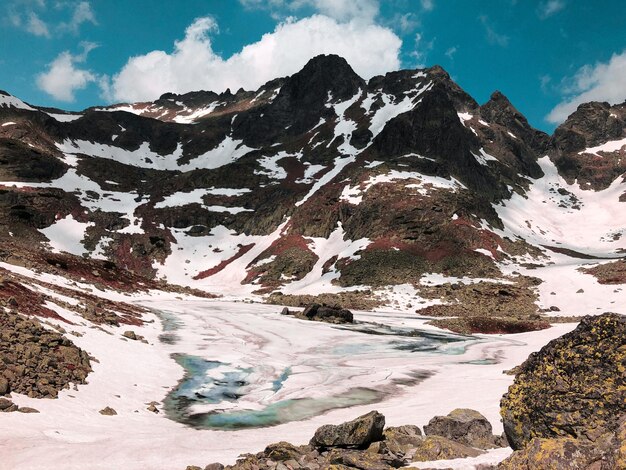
318, 182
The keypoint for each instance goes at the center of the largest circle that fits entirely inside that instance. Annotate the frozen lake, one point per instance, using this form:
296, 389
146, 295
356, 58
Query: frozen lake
233, 377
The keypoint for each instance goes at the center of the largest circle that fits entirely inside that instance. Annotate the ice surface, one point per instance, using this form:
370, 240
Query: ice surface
69, 432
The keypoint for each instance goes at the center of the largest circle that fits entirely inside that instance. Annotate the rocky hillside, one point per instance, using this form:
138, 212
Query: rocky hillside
321, 182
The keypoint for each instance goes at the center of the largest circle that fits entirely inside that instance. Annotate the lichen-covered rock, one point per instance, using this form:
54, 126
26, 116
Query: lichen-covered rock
282, 451
399, 439
575, 386
465, 426
362, 460
441, 448
561, 453
358, 433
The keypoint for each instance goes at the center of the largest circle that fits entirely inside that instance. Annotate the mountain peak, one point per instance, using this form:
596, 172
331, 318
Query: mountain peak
322, 75
438, 70
500, 109
327, 63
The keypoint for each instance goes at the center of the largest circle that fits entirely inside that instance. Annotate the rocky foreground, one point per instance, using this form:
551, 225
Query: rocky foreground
365, 443
565, 410
567, 406
36, 361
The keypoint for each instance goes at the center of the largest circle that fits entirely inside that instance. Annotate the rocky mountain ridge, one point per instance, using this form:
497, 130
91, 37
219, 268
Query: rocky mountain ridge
318, 182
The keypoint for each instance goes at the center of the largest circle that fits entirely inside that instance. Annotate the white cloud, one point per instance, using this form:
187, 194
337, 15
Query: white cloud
599, 82
493, 37
342, 10
422, 49
405, 23
549, 8
33, 16
194, 65
63, 78
82, 14
428, 5
451, 51
36, 26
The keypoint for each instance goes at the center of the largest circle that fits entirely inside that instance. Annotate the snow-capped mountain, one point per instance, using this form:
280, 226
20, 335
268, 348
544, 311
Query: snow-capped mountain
321, 182
393, 196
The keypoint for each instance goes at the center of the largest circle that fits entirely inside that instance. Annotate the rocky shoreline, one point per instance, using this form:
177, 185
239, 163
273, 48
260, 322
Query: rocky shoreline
565, 409
366, 444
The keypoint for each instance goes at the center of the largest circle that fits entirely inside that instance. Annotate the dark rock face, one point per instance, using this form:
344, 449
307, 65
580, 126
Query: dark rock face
358, 433
298, 117
499, 110
592, 124
466, 426
292, 132
575, 386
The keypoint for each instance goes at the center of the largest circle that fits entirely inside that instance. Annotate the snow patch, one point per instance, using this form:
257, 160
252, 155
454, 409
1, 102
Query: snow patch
9, 101
66, 235
611, 146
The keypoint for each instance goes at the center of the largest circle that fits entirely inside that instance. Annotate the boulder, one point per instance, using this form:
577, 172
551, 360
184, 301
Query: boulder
26, 409
441, 448
575, 386
130, 335
361, 460
214, 466
462, 425
358, 433
4, 386
399, 439
108, 411
559, 453
328, 314
282, 451
5, 404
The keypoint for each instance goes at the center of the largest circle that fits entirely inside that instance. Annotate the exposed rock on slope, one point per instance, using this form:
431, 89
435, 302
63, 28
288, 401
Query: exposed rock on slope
579, 146
35, 361
399, 172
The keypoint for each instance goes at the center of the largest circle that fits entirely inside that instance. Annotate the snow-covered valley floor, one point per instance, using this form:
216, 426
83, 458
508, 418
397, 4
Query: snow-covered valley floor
275, 364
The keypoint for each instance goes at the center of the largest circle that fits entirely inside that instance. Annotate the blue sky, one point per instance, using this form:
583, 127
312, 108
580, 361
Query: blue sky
547, 56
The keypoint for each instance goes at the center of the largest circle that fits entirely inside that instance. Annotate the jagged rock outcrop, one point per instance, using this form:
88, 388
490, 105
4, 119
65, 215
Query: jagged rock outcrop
590, 126
254, 159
